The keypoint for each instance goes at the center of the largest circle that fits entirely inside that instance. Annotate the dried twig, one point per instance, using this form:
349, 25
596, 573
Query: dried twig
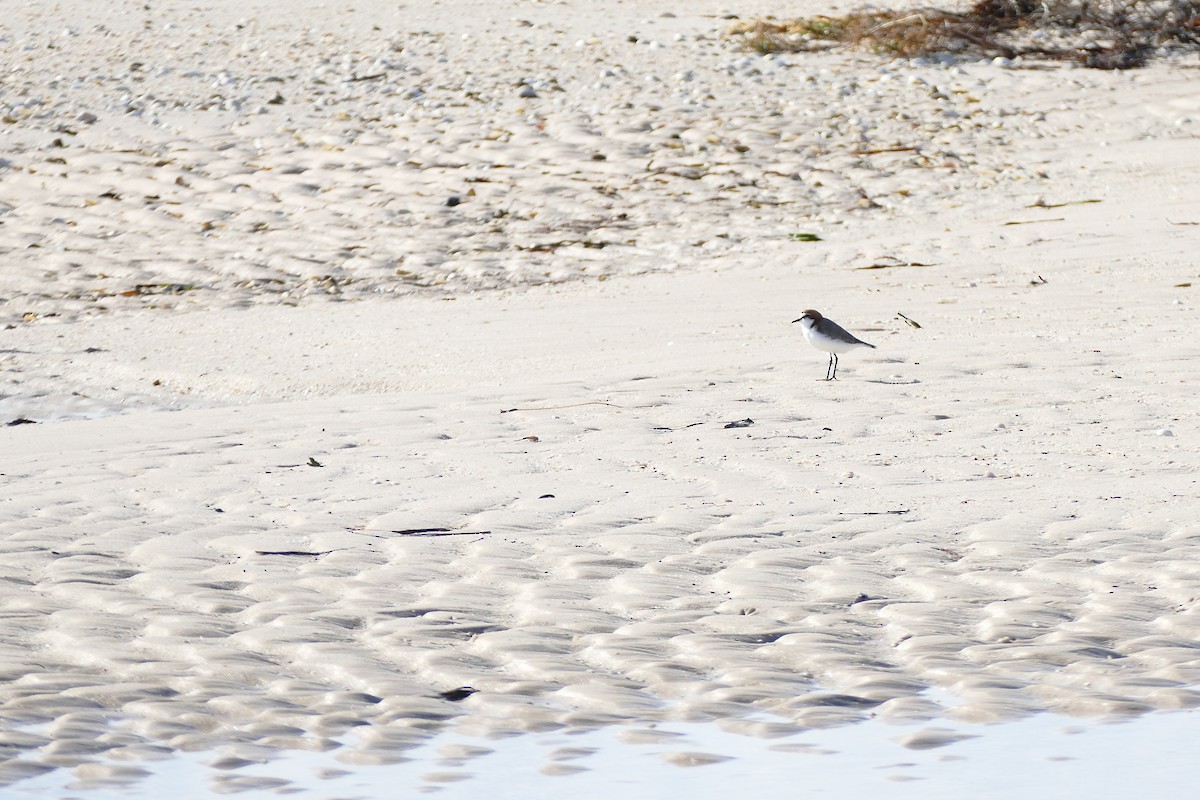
896, 264
568, 405
1035, 221
1044, 204
883, 150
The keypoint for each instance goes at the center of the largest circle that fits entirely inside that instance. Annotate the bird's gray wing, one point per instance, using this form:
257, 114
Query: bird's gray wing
841, 334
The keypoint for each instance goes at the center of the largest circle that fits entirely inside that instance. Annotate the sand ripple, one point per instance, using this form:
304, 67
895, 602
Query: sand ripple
245, 596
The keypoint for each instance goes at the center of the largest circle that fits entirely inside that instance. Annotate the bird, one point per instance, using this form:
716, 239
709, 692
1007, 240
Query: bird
828, 337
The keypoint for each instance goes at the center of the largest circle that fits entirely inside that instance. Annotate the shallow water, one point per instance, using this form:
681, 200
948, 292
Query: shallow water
1045, 756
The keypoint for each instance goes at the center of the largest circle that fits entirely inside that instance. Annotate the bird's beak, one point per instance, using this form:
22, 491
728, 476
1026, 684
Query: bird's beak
796, 320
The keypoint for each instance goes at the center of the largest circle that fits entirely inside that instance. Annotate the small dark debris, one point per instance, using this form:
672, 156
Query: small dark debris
94, 350
21, 421
840, 701
546, 497
758, 638
894, 263
461, 693
741, 423
691, 425
312, 462
309, 553
453, 201
439, 532
551, 247
862, 598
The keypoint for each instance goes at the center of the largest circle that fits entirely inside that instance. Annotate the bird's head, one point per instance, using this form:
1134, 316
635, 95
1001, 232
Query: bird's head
809, 318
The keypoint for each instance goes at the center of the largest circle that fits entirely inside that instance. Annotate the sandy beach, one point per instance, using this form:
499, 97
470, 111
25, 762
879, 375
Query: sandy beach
352, 356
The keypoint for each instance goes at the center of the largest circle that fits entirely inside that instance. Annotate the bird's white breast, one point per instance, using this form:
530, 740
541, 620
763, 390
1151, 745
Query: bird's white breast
826, 344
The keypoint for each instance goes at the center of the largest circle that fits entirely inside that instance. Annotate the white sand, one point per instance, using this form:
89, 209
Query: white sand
1001, 504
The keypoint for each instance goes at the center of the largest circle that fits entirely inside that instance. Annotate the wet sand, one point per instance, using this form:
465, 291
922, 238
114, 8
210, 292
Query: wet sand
480, 373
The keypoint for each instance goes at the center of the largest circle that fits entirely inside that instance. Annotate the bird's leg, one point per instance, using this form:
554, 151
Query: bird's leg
835, 362
829, 368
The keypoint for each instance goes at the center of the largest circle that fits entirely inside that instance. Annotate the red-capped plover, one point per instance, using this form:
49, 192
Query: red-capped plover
829, 337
